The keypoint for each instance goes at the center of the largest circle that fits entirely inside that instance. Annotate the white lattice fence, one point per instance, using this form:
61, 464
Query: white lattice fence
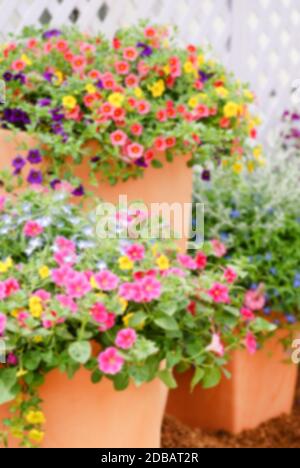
258, 39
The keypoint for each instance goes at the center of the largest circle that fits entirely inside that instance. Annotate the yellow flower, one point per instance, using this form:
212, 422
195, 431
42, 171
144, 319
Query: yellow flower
167, 70
158, 88
231, 109
44, 272
6, 265
163, 262
17, 433
193, 102
26, 59
257, 152
38, 339
116, 99
238, 168
222, 92
154, 249
69, 102
125, 263
35, 306
36, 436
58, 78
94, 283
91, 89
21, 373
124, 303
249, 95
201, 60
35, 417
138, 93
250, 166
188, 68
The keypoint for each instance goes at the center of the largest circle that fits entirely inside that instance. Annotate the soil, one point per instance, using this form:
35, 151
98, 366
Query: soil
282, 432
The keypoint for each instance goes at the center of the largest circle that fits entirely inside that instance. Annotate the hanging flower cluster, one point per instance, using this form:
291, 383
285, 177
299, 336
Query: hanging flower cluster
120, 308
139, 97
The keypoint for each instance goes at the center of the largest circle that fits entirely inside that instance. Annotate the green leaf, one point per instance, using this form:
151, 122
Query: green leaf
80, 351
198, 376
212, 378
121, 381
166, 376
261, 325
167, 323
144, 348
6, 393
138, 319
31, 360
157, 164
8, 387
96, 377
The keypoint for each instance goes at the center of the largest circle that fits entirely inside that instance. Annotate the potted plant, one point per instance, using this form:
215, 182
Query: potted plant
84, 317
103, 113
256, 220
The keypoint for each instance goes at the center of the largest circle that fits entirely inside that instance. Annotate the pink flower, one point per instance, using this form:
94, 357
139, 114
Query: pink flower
79, 63
216, 346
62, 243
174, 272
255, 300
187, 262
65, 257
135, 252
110, 361
219, 248
106, 280
78, 285
160, 144
135, 150
11, 286
2, 291
131, 292
118, 138
251, 343
126, 338
12, 359
230, 275
61, 275
247, 314
105, 319
201, 261
219, 293
130, 53
43, 295
3, 322
2, 203
132, 81
32, 229
18, 65
47, 324
151, 288
122, 67
67, 302
136, 129
143, 107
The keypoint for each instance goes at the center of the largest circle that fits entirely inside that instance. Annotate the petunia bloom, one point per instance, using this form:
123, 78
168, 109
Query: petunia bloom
110, 361
126, 338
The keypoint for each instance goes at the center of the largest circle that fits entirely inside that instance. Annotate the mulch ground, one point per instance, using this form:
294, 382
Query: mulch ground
283, 432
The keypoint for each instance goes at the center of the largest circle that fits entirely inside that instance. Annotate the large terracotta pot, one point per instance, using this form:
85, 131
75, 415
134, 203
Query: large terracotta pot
170, 184
84, 415
262, 387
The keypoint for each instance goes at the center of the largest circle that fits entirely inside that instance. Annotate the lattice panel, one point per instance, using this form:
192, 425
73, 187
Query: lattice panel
258, 38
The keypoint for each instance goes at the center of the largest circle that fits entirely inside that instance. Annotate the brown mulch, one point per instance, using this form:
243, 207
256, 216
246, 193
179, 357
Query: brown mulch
282, 432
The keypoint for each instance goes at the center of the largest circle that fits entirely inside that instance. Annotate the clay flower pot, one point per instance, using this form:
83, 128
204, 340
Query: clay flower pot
262, 387
170, 184
80, 414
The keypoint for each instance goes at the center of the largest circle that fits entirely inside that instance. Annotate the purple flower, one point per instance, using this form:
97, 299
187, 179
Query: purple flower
16, 117
95, 159
57, 115
295, 116
99, 84
79, 191
51, 33
20, 77
18, 163
45, 102
54, 183
141, 162
147, 50
48, 76
206, 175
35, 177
8, 76
205, 76
12, 359
34, 157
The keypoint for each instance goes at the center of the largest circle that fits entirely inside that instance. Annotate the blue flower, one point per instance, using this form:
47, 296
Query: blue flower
273, 271
269, 256
235, 214
291, 319
267, 311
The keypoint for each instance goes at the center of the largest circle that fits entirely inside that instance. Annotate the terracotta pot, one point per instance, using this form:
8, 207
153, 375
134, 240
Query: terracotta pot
262, 387
84, 415
170, 184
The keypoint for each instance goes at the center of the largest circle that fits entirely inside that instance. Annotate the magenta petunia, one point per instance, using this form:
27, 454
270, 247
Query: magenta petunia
110, 361
126, 338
